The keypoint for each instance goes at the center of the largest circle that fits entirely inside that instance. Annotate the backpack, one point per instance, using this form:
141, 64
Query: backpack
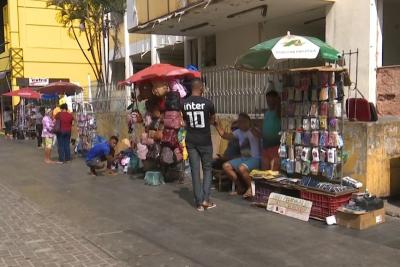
176, 86
154, 151
178, 154
134, 164
173, 101
160, 88
170, 138
145, 91
142, 151
167, 155
172, 119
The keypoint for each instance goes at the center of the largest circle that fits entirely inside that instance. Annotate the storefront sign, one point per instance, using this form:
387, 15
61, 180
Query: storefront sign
289, 206
292, 47
38, 81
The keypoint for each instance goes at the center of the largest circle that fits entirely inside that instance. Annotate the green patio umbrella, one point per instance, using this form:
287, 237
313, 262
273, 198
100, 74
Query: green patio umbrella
271, 52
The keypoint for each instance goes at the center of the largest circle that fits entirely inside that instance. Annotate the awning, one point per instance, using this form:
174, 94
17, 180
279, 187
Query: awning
207, 17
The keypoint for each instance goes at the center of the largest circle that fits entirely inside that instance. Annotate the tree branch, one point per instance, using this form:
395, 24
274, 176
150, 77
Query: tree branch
83, 51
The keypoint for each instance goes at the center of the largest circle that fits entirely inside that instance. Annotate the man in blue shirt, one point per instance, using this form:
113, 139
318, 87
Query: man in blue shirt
100, 152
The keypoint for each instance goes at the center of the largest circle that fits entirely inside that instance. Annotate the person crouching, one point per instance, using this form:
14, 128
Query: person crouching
99, 153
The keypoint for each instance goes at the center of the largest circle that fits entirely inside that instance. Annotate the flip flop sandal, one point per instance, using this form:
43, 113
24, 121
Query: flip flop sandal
210, 205
200, 208
247, 195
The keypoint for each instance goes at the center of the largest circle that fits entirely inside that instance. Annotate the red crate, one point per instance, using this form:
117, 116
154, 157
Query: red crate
324, 205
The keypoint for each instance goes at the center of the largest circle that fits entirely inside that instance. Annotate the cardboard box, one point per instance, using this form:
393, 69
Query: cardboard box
360, 221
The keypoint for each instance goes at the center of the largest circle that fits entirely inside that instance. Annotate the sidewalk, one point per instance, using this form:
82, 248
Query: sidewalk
29, 237
120, 218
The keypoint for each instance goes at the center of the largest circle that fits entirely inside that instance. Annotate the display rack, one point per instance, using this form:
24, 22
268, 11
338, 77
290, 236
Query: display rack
312, 123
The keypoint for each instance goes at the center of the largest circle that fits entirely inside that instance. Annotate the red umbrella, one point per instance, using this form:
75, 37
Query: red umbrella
24, 93
160, 72
59, 88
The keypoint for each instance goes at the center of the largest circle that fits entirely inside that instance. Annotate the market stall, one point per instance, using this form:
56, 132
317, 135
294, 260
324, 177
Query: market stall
158, 134
83, 111
312, 108
24, 120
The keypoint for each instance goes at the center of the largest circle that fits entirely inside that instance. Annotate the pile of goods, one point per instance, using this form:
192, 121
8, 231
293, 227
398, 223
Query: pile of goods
324, 186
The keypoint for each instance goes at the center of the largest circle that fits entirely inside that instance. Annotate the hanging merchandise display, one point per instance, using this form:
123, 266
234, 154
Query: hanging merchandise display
162, 144
316, 139
86, 126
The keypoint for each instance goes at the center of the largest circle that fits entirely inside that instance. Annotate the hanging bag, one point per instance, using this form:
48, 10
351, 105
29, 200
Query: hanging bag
173, 101
359, 109
57, 126
172, 119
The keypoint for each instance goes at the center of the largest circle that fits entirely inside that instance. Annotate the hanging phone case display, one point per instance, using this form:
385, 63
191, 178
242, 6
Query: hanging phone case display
86, 126
312, 140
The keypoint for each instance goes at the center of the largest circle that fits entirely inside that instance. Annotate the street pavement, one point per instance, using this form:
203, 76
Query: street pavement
58, 215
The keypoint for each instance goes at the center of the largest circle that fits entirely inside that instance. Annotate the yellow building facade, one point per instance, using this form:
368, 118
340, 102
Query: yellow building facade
35, 45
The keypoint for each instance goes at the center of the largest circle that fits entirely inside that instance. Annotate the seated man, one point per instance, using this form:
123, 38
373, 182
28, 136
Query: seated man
101, 152
232, 151
250, 153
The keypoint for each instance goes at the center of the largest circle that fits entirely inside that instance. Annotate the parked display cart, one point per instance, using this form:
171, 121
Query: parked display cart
312, 115
161, 146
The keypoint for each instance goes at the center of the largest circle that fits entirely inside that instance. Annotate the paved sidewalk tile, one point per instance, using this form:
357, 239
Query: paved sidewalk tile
29, 237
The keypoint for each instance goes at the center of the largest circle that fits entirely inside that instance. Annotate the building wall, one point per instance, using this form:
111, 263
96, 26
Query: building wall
351, 25
388, 90
374, 154
391, 33
48, 50
231, 43
234, 42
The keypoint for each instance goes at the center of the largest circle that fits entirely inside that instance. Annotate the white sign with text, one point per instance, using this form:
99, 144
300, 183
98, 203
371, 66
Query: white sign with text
289, 206
38, 81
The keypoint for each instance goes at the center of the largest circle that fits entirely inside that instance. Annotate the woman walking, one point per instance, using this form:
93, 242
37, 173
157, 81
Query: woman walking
48, 136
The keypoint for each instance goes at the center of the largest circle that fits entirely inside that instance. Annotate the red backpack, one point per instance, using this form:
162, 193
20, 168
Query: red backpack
170, 138
172, 119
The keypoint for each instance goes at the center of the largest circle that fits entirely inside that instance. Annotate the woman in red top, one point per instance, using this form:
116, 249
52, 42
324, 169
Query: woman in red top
64, 136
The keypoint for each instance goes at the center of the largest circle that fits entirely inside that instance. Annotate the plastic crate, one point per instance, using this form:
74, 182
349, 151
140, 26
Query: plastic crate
324, 205
262, 191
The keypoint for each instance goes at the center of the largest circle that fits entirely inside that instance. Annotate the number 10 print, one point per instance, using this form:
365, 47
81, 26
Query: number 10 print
196, 119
